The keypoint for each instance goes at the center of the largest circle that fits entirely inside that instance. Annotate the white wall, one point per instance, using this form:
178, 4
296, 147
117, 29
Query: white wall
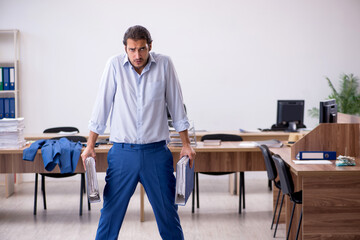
235, 58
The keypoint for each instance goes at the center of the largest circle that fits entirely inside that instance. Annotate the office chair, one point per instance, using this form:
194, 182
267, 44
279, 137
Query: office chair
287, 187
61, 129
272, 174
61, 175
225, 138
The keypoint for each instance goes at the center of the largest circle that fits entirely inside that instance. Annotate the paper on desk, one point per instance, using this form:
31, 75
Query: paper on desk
247, 144
312, 162
270, 143
249, 131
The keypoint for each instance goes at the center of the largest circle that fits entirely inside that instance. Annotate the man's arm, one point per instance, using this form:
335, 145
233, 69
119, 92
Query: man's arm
89, 151
187, 149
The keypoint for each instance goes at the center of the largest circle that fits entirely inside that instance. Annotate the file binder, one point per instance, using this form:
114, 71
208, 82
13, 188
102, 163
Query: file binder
184, 181
12, 107
317, 155
6, 107
2, 113
6, 78
1, 79
12, 79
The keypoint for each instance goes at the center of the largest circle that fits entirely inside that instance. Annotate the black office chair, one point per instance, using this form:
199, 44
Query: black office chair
272, 174
61, 129
61, 175
287, 187
225, 138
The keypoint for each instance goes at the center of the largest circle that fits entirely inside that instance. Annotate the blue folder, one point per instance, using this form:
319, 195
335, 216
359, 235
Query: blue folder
6, 107
12, 107
317, 155
6, 78
11, 78
184, 181
2, 110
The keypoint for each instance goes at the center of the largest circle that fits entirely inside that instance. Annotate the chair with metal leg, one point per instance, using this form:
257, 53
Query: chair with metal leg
74, 138
224, 138
272, 174
287, 187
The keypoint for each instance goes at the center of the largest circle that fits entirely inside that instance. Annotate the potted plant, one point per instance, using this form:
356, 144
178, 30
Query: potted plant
347, 97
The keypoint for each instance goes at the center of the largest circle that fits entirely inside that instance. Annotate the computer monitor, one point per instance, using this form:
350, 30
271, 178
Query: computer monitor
290, 115
328, 111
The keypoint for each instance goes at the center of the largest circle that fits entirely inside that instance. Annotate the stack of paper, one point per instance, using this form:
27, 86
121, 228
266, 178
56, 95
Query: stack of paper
184, 181
212, 142
11, 133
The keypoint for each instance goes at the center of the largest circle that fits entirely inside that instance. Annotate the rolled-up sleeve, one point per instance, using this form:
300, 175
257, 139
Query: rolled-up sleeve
174, 100
104, 100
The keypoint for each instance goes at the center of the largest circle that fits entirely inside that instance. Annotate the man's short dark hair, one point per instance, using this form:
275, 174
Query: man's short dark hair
136, 33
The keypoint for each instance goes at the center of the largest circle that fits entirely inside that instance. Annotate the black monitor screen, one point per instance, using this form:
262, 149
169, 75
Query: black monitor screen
328, 111
290, 114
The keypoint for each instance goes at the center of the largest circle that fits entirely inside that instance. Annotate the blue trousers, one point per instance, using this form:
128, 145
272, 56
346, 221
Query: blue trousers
152, 166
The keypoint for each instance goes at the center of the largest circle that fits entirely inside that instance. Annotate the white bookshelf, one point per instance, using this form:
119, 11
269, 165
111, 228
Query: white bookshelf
9, 57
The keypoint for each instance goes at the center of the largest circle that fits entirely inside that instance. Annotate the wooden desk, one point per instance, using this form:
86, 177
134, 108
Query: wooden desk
258, 136
229, 157
282, 136
331, 195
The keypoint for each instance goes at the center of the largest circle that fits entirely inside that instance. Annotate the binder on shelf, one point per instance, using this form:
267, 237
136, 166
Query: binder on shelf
12, 78
6, 78
6, 107
317, 155
2, 108
1, 79
184, 181
12, 107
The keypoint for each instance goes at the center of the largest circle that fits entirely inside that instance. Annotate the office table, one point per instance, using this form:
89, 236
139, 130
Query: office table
331, 199
228, 157
257, 136
250, 136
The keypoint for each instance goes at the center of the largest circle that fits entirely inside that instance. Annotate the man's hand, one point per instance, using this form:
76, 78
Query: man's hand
187, 150
88, 152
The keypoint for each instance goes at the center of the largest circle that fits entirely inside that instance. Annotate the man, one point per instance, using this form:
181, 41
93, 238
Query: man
136, 88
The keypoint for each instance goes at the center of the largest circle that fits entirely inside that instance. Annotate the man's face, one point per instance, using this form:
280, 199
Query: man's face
138, 53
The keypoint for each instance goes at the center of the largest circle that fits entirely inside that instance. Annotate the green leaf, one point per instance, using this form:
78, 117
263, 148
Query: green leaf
348, 97
314, 112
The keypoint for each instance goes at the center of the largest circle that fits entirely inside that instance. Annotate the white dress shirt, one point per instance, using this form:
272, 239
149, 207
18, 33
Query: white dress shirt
137, 103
